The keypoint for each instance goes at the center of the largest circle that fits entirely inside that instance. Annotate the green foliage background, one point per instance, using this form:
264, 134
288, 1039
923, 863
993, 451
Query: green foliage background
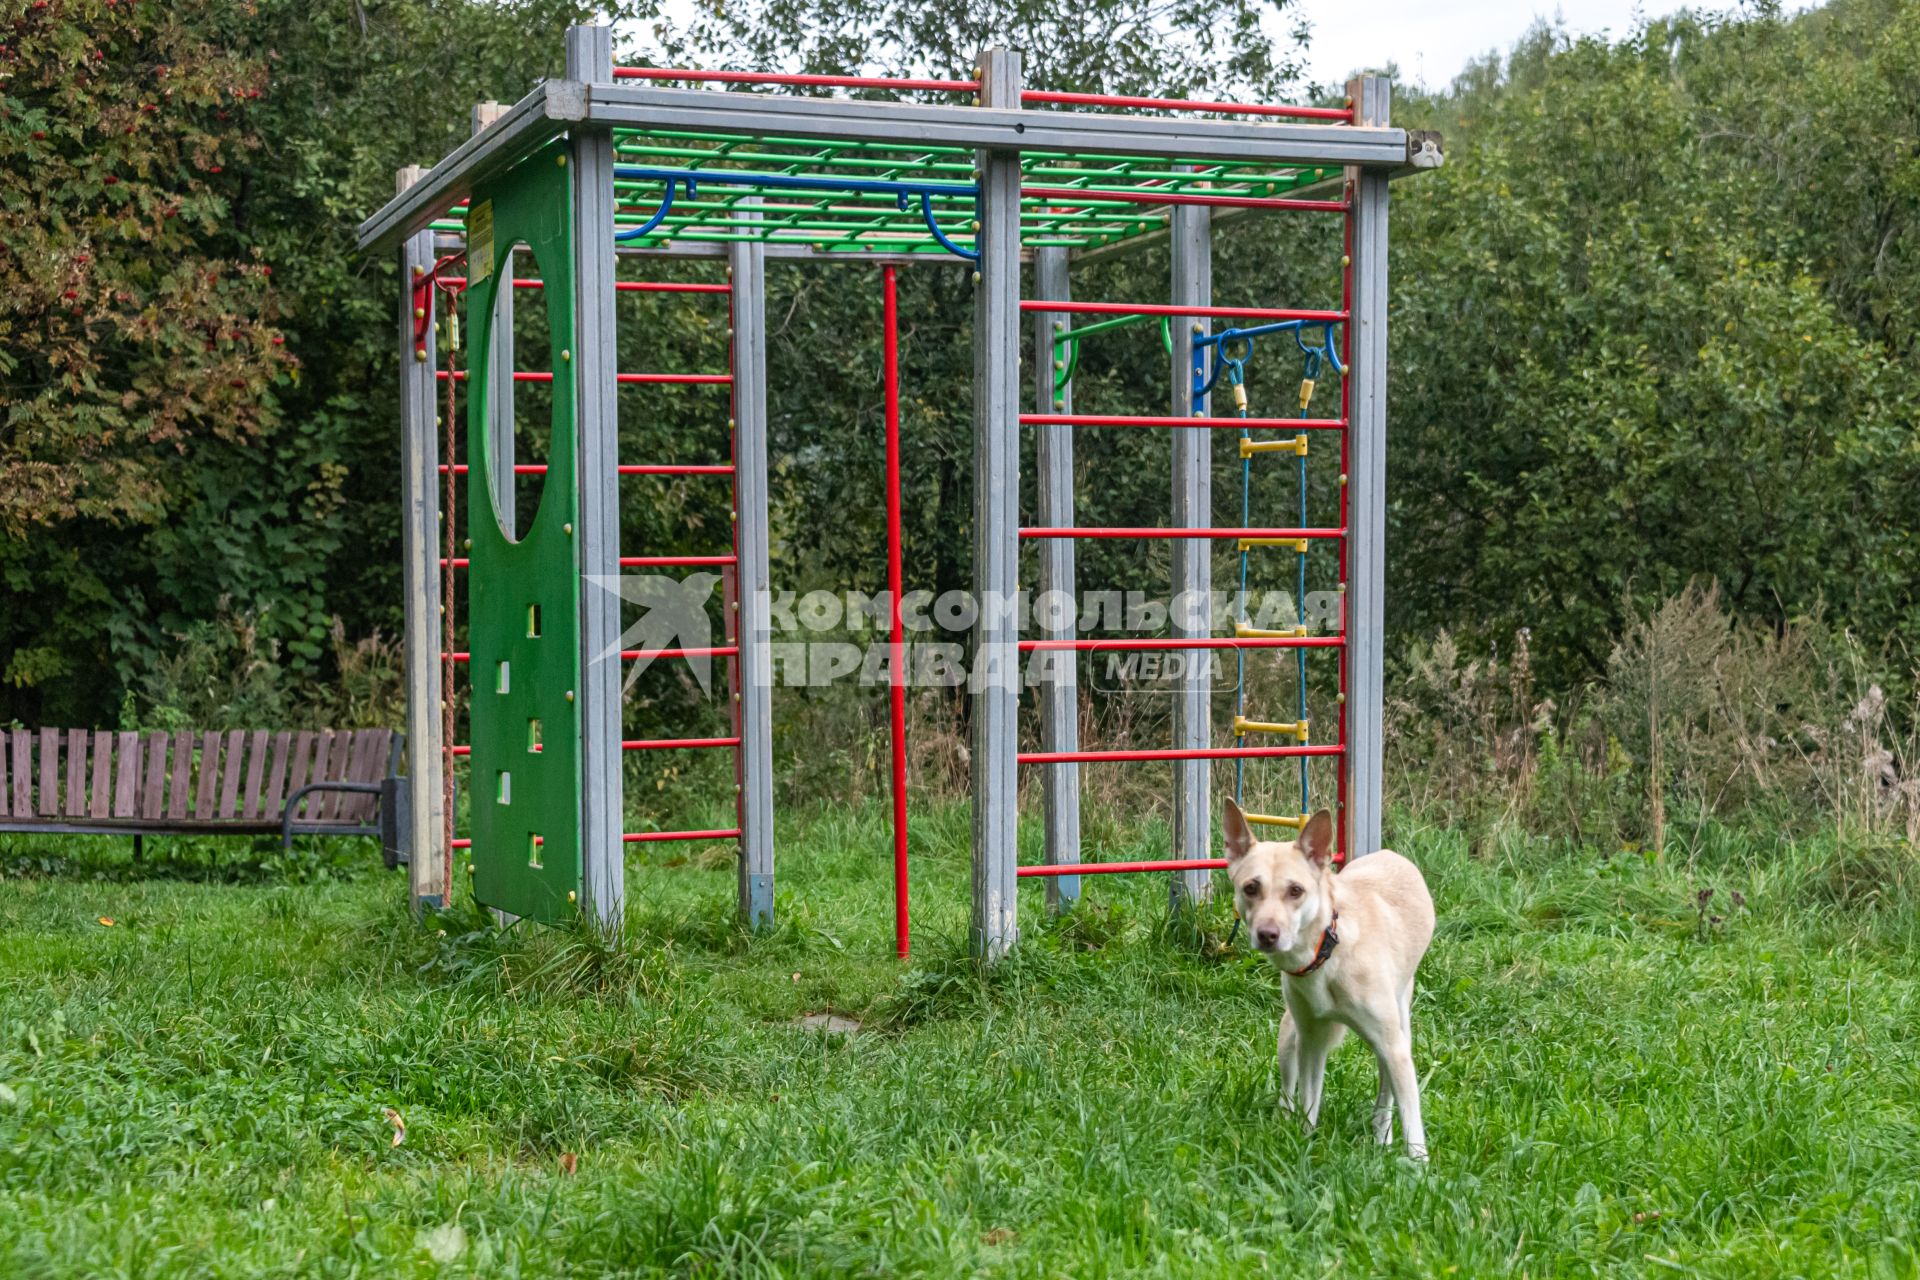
1651, 322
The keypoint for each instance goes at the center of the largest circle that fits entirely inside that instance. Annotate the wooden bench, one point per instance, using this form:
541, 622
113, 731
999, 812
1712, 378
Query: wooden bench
237, 782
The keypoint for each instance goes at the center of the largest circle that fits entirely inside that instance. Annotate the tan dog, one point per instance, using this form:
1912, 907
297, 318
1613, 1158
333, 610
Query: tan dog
1350, 944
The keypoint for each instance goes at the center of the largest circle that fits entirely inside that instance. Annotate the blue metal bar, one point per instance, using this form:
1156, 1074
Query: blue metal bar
659, 215
926, 211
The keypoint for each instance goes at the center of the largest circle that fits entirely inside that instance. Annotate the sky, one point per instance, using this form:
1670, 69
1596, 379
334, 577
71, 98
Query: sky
1433, 40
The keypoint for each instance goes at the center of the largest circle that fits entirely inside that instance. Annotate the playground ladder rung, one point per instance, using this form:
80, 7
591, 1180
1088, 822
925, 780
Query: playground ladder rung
648, 837
1176, 753
635, 562
628, 379
620, 286
673, 744
1174, 309
1168, 420
641, 744
1197, 642
1156, 531
625, 469
697, 651
658, 562
1110, 868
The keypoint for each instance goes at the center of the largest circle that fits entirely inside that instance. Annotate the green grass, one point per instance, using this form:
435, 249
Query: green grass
1612, 1083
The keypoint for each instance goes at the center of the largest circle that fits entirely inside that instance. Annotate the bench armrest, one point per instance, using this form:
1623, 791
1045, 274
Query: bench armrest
293, 802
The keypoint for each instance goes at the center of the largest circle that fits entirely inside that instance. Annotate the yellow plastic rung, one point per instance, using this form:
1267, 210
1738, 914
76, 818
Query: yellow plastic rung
1245, 632
1297, 445
1294, 728
1276, 820
1298, 544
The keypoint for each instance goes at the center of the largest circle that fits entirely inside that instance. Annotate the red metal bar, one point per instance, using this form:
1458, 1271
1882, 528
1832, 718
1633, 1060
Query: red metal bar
1109, 868
675, 469
625, 379
1168, 420
1179, 753
1161, 642
1083, 196
1155, 531
663, 562
639, 562
650, 837
676, 744
692, 651
896, 644
1186, 104
644, 744
809, 81
620, 286
1172, 309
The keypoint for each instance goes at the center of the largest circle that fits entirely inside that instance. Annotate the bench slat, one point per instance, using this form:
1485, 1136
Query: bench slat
230, 772
100, 801
126, 789
348, 807
277, 774
303, 745
209, 776
181, 782
328, 802
22, 774
373, 768
49, 773
153, 796
256, 764
76, 773
6, 753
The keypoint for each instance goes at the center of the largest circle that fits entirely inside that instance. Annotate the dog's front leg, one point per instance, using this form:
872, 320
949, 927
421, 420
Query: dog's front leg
1406, 1090
1383, 1107
1316, 1042
1289, 1048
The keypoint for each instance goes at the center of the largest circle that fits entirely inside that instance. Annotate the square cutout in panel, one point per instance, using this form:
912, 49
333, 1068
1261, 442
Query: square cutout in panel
503, 788
533, 850
502, 678
533, 622
533, 735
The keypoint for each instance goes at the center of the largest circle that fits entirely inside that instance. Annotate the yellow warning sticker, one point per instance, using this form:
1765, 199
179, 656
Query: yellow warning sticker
480, 241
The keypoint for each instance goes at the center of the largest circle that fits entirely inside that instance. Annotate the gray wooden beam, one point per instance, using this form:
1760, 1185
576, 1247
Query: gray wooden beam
1060, 691
429, 871
1192, 557
603, 855
994, 684
1367, 488
752, 627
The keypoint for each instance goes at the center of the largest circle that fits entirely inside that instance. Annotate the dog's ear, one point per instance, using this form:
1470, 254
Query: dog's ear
1237, 834
1316, 839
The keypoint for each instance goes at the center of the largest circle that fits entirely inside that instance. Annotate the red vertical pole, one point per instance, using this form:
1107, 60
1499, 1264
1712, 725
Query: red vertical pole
896, 656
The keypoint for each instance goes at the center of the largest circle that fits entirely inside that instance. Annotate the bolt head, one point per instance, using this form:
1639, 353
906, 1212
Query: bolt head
567, 529
569, 695
467, 545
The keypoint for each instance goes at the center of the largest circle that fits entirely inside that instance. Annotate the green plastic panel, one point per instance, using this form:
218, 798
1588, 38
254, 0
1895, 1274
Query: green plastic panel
523, 602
